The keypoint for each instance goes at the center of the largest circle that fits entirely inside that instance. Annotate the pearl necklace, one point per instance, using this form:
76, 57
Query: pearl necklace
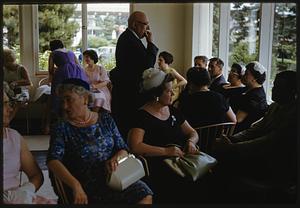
83, 123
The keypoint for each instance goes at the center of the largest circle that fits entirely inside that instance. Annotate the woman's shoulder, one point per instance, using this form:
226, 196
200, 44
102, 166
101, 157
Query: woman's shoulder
13, 132
13, 135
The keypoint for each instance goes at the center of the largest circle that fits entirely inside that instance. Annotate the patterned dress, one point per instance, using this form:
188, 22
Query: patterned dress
102, 96
84, 151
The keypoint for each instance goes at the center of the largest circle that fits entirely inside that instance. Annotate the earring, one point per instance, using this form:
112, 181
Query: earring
157, 99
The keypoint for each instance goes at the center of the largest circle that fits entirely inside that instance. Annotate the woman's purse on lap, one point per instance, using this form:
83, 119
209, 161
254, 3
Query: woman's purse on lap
191, 165
129, 170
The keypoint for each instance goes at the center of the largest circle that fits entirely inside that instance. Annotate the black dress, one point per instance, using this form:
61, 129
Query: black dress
255, 104
162, 179
204, 108
233, 95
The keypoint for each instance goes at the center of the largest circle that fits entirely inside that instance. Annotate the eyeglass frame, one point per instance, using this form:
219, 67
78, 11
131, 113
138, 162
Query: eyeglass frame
143, 23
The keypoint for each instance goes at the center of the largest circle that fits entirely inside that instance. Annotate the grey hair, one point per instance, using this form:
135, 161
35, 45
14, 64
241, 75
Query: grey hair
79, 90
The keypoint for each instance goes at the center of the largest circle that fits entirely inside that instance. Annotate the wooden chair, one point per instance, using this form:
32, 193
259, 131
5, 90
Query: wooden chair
208, 134
43, 81
60, 189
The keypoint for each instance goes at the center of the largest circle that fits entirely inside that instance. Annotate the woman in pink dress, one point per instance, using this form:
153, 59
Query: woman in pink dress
16, 158
98, 80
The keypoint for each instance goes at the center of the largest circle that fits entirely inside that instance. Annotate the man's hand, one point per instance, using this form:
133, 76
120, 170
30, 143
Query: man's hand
149, 37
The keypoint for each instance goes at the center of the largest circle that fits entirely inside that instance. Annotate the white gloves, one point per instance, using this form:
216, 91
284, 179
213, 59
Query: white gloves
21, 195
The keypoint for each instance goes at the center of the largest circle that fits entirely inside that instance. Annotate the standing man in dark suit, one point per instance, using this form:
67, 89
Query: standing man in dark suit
132, 59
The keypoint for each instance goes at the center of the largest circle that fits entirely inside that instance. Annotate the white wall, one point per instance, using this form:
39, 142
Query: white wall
169, 25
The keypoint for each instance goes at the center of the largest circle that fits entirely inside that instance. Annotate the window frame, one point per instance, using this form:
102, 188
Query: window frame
265, 41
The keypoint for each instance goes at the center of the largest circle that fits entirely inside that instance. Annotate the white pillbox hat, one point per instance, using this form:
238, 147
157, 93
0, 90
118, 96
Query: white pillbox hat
152, 78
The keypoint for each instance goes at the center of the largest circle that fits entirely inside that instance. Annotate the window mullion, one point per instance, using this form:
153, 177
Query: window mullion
224, 35
266, 40
84, 27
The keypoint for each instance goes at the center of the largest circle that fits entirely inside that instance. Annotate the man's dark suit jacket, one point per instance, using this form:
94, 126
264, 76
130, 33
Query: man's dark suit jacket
132, 59
217, 83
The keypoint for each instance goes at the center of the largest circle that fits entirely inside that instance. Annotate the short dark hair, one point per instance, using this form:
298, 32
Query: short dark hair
56, 44
218, 60
260, 78
203, 58
92, 54
167, 57
151, 94
238, 69
198, 76
291, 79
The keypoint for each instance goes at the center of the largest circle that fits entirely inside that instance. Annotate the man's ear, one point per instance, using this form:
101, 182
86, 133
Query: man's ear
134, 25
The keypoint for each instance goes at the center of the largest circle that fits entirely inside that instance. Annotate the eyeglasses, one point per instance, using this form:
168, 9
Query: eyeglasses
143, 23
232, 72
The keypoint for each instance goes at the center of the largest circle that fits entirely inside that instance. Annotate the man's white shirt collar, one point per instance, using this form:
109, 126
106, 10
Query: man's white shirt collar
134, 34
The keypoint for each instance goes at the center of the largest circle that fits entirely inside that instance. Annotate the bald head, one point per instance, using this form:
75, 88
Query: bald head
136, 16
138, 22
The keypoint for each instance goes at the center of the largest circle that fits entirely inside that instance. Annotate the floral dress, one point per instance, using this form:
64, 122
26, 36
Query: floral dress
84, 151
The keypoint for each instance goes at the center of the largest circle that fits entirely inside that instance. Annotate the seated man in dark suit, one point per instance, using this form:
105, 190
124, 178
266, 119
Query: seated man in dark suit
215, 68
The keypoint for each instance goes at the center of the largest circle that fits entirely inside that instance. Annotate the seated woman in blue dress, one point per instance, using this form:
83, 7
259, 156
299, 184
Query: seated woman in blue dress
253, 104
202, 106
85, 146
156, 125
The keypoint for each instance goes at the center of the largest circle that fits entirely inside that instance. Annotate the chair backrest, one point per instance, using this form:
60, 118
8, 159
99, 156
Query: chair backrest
60, 189
43, 81
208, 134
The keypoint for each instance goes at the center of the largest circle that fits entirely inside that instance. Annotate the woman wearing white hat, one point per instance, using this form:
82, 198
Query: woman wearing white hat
157, 124
253, 104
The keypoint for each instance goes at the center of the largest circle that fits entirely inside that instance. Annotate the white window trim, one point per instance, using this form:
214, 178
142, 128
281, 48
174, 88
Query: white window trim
84, 16
35, 41
202, 30
266, 42
224, 35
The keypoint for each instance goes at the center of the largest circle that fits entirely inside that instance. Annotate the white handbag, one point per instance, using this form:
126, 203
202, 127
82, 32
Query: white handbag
129, 170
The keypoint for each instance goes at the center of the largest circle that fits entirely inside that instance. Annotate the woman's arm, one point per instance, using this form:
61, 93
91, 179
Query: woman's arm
30, 166
61, 172
181, 81
137, 146
192, 137
100, 84
51, 68
25, 81
104, 79
241, 115
231, 116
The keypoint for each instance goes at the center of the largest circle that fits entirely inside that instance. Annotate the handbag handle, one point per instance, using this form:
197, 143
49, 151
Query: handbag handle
145, 164
177, 145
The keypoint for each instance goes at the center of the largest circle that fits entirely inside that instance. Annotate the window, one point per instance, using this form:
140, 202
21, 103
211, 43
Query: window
105, 23
244, 32
284, 40
11, 27
56, 21
216, 30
